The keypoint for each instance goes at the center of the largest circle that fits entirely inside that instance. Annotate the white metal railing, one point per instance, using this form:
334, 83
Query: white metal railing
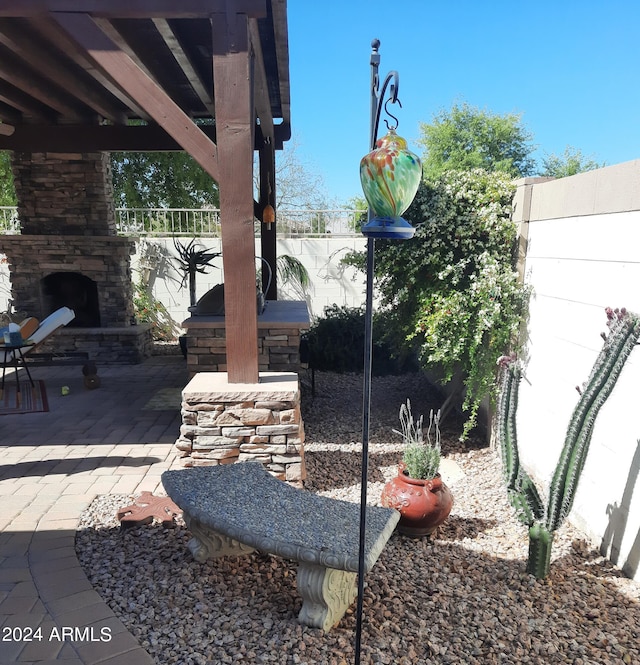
206, 222
317, 223
9, 222
168, 221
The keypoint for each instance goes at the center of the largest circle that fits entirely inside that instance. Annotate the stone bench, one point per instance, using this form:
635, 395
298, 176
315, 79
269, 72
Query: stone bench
234, 509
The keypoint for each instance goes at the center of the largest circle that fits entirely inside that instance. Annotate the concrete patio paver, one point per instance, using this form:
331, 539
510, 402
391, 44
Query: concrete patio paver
53, 465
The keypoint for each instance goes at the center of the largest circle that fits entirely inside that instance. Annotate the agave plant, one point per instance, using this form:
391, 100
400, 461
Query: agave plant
543, 521
193, 258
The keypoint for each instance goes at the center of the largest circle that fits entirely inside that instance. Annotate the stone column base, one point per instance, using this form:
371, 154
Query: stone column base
224, 422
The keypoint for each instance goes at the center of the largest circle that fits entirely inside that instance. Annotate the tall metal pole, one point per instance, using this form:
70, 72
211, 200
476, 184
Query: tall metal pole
368, 355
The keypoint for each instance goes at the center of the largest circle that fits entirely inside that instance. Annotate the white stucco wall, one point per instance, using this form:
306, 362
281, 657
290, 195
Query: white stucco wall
583, 255
330, 282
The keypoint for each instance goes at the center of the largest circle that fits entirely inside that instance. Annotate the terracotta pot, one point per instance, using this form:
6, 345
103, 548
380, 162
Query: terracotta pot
423, 504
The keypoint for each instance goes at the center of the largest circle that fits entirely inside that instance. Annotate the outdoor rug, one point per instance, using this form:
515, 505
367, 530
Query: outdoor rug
31, 400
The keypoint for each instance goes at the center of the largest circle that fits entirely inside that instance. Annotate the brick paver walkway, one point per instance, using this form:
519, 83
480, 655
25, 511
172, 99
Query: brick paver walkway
117, 439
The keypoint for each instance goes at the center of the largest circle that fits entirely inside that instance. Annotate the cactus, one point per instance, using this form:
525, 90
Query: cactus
522, 492
624, 332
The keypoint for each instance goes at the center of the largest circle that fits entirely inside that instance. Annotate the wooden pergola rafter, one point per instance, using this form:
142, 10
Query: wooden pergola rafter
206, 76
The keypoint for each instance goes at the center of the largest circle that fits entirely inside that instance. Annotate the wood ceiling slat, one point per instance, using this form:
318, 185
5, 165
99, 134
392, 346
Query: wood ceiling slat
261, 91
36, 86
28, 106
22, 44
9, 114
184, 61
147, 94
118, 39
141, 40
281, 78
53, 33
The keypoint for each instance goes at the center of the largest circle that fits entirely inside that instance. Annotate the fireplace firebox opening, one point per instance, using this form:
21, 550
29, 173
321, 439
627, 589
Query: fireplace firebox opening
74, 290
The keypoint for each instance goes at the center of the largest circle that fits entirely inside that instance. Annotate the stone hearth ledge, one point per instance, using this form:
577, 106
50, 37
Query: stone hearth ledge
208, 387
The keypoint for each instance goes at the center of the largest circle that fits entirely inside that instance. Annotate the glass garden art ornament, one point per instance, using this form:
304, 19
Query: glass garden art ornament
390, 175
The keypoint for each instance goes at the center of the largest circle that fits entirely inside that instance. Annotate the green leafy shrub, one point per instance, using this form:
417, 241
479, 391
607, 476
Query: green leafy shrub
336, 343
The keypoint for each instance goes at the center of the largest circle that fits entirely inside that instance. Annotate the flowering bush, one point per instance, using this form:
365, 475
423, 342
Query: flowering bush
452, 290
468, 327
149, 310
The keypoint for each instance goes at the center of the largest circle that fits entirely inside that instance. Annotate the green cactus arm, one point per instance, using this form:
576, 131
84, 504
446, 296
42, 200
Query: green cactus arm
507, 431
598, 376
523, 494
601, 370
540, 544
526, 500
607, 369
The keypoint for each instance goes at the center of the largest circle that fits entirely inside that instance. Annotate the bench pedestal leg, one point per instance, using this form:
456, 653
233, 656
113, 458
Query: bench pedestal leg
326, 595
209, 544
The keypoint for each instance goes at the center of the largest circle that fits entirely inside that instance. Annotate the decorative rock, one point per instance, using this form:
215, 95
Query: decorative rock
274, 430
465, 590
212, 442
218, 454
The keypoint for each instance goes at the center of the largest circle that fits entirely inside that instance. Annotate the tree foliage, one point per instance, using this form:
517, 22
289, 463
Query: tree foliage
571, 162
466, 138
7, 189
298, 185
161, 180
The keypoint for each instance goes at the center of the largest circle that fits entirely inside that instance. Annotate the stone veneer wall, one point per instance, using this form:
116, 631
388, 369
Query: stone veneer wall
279, 329
64, 193
126, 345
223, 423
105, 260
278, 349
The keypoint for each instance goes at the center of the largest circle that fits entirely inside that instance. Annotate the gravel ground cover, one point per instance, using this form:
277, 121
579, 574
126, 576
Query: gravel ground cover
461, 596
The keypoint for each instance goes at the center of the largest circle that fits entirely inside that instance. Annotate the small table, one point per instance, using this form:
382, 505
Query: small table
18, 361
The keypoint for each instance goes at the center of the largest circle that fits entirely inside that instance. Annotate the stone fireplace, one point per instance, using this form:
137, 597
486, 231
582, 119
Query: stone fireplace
68, 254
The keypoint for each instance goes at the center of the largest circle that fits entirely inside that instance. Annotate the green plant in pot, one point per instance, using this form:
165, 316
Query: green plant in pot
543, 521
417, 492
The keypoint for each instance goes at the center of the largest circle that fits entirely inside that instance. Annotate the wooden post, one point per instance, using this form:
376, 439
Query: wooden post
233, 83
268, 196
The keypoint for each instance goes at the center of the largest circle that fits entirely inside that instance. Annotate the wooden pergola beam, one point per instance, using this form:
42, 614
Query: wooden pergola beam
50, 30
98, 138
19, 42
141, 88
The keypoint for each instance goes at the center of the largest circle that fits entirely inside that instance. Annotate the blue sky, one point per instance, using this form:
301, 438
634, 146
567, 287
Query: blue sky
571, 69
